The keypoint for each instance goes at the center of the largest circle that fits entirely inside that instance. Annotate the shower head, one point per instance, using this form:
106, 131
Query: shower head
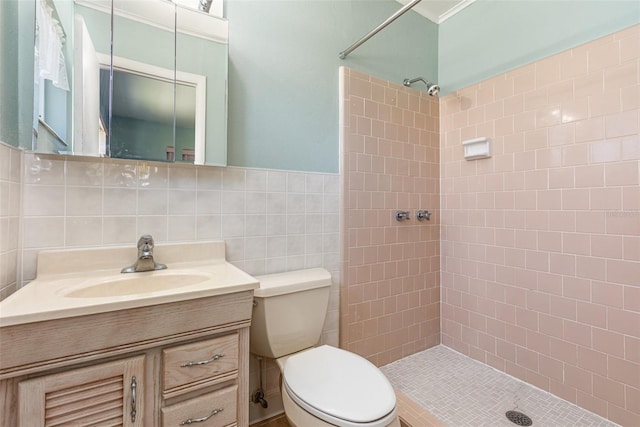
432, 88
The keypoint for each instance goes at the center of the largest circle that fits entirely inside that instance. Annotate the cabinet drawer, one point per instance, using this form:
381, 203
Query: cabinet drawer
215, 409
201, 361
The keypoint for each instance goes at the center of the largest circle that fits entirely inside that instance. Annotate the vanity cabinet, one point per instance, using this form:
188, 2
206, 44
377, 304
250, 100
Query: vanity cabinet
190, 361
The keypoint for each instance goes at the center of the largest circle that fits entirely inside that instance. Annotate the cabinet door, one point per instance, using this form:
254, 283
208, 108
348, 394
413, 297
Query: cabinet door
109, 394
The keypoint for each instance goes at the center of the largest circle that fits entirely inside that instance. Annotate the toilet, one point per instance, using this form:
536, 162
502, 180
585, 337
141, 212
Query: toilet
321, 386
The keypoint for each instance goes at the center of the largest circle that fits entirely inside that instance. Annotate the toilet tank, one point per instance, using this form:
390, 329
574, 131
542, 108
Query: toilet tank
289, 311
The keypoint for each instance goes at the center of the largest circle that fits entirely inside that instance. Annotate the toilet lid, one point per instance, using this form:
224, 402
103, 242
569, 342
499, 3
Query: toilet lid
328, 380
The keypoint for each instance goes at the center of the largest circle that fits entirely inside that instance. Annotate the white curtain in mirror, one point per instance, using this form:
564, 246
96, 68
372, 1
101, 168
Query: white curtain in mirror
50, 40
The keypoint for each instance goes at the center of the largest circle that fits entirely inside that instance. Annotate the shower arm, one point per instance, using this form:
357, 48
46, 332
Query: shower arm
377, 29
432, 88
409, 82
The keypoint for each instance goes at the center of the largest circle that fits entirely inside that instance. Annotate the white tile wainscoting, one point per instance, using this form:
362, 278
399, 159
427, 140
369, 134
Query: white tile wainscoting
271, 220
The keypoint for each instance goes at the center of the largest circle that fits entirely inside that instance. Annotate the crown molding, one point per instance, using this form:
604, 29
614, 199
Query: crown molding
435, 14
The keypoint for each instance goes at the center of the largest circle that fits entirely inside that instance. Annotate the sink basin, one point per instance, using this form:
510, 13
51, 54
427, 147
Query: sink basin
87, 281
137, 283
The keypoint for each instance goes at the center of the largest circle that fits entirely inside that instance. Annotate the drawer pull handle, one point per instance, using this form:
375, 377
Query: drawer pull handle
203, 362
203, 419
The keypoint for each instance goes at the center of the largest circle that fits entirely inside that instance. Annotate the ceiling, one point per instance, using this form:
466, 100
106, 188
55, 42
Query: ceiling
439, 11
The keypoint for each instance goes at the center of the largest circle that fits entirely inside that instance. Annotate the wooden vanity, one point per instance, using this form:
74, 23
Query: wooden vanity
173, 363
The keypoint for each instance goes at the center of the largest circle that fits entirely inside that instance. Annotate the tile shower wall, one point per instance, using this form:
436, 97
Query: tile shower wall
541, 242
390, 149
10, 182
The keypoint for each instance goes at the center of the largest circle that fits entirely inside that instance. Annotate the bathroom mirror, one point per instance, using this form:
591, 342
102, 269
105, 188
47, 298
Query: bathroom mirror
170, 63
156, 113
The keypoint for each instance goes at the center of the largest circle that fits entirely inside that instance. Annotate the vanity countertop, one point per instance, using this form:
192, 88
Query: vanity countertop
71, 282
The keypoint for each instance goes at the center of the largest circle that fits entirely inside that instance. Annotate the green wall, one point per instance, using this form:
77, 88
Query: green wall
283, 62
493, 36
9, 73
283, 73
17, 18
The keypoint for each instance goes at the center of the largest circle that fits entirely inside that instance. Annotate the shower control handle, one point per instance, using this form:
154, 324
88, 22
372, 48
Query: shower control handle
402, 215
422, 215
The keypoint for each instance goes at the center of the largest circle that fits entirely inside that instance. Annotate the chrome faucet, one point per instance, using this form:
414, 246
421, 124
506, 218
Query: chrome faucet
145, 260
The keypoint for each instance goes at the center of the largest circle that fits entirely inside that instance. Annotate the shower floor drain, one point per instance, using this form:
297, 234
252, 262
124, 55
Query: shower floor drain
519, 418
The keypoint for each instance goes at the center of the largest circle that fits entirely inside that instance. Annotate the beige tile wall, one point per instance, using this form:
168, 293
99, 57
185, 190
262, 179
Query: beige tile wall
541, 242
10, 182
271, 220
390, 289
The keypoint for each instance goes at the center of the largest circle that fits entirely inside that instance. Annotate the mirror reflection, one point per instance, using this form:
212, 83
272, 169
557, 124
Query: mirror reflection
135, 117
53, 77
160, 95
145, 121
141, 121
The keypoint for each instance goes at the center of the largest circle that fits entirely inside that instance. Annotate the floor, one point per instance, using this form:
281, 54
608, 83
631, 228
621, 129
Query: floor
411, 415
460, 392
279, 421
441, 387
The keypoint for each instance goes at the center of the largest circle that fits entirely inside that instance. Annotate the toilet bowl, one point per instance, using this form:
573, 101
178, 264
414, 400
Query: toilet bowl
337, 387
321, 386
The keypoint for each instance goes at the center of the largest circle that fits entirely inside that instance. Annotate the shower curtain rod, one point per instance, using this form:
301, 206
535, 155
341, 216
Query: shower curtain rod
375, 31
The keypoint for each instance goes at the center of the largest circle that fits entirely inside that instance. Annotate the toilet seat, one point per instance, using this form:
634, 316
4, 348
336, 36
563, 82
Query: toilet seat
339, 387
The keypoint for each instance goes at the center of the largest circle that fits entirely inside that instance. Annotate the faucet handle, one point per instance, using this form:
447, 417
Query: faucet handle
402, 215
422, 215
145, 261
146, 240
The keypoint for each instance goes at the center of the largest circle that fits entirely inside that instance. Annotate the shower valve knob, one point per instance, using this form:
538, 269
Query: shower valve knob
422, 215
402, 215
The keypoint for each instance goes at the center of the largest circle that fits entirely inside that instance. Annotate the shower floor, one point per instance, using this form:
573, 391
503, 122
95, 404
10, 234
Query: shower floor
460, 391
